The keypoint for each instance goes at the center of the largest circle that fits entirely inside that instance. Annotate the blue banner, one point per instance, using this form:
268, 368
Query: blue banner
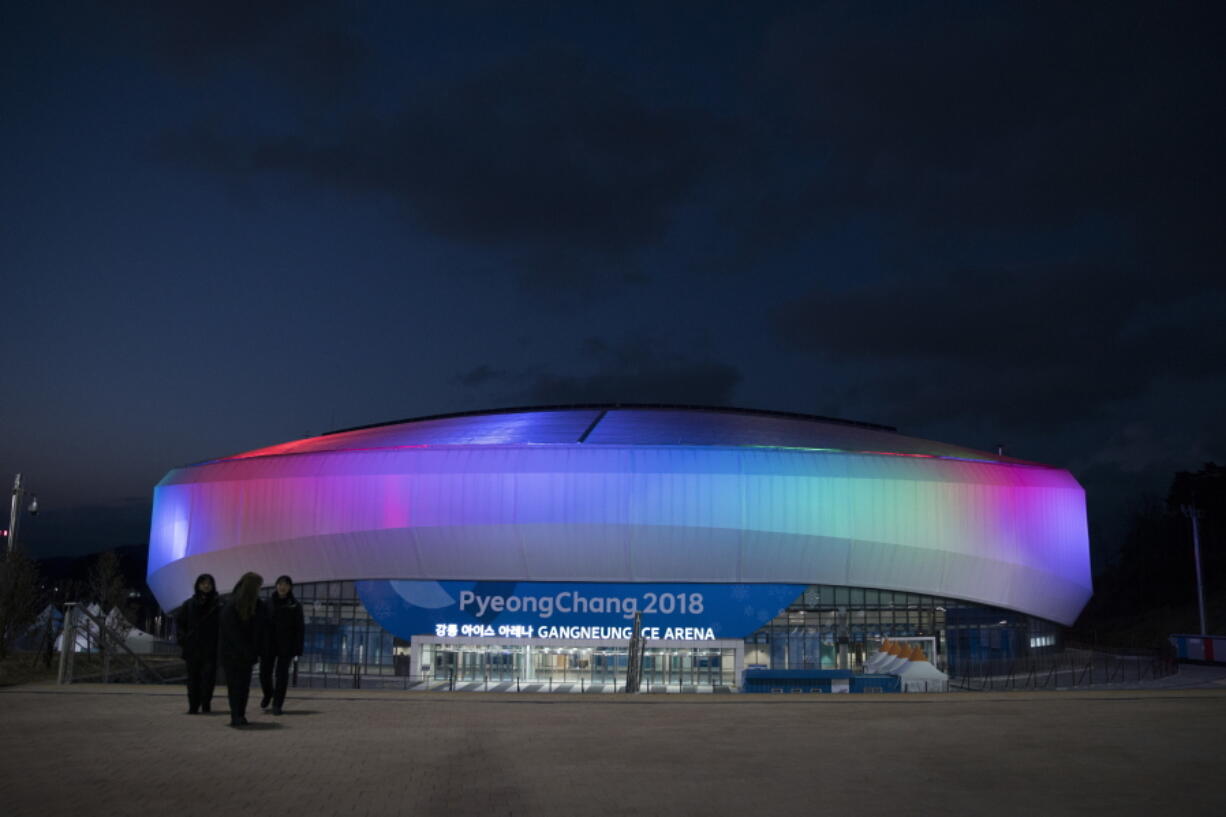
573, 610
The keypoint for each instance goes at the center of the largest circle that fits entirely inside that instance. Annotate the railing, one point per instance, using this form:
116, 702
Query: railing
116, 661
1071, 669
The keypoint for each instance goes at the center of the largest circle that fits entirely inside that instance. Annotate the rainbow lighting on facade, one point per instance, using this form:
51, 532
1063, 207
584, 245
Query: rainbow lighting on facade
631, 495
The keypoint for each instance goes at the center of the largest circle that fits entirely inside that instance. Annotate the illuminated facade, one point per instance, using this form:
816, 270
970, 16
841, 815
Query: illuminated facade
477, 531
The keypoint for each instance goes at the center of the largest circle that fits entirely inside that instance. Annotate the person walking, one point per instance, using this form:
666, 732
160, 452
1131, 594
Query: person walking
285, 637
244, 623
196, 626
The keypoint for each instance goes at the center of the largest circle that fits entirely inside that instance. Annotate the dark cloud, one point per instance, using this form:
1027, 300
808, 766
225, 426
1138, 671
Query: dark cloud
308, 46
194, 35
1029, 346
478, 376
636, 371
970, 123
705, 383
545, 158
938, 87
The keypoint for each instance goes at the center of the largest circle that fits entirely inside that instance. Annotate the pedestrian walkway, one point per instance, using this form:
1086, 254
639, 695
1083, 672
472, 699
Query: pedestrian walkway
118, 749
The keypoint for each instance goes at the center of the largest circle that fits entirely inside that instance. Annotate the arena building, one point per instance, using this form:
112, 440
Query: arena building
518, 544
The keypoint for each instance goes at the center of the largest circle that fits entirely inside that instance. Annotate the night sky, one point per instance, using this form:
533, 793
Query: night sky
231, 224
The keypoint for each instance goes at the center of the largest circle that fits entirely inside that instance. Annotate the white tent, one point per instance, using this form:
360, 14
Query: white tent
874, 661
922, 676
898, 658
138, 641
887, 656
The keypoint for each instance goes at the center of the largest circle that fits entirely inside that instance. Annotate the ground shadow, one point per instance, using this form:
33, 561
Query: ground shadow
256, 726
289, 712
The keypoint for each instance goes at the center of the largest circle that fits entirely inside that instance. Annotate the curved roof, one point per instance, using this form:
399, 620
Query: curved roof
625, 424
632, 494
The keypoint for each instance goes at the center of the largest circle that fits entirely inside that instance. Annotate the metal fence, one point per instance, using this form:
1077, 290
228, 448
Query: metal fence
1073, 668
92, 650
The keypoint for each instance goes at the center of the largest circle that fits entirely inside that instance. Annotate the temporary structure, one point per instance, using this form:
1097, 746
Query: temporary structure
138, 641
919, 675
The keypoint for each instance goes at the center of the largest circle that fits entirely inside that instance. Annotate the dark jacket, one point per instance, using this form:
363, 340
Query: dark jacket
241, 641
196, 626
287, 627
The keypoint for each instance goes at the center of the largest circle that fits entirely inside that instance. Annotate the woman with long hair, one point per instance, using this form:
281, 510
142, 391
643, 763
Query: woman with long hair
244, 620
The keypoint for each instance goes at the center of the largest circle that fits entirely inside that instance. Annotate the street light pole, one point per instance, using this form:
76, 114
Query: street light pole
14, 513
1193, 513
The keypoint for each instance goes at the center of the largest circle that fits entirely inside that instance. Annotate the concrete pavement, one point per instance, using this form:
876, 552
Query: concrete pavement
102, 750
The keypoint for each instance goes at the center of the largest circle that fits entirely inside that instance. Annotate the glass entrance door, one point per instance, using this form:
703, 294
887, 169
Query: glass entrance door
503, 664
444, 667
472, 665
663, 666
608, 665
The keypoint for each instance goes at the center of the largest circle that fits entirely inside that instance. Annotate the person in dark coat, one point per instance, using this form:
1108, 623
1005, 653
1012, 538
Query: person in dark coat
285, 637
244, 623
196, 625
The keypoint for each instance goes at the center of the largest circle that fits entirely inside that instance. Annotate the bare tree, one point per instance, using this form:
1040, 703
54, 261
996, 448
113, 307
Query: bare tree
106, 586
106, 582
19, 597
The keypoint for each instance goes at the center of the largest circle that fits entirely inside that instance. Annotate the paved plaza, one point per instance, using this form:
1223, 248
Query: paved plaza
118, 750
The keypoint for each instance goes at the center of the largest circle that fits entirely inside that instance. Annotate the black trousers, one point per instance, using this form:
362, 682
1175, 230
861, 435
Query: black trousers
274, 677
238, 688
201, 680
